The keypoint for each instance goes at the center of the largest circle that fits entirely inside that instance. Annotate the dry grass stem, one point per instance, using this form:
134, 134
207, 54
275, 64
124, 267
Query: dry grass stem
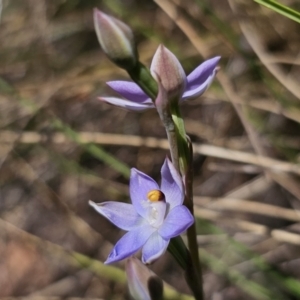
253, 39
242, 225
136, 141
248, 207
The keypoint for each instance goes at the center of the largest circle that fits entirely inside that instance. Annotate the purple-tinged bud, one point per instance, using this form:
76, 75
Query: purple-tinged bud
142, 282
166, 66
116, 40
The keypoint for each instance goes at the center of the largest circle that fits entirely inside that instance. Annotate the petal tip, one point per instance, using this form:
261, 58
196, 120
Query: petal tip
91, 203
96, 11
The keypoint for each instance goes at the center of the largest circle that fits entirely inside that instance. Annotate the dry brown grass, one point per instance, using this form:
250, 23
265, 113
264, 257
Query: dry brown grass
245, 132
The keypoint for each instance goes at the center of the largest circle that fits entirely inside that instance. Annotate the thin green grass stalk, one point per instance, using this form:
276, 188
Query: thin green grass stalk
136, 21
118, 275
250, 287
290, 284
82, 261
281, 9
224, 28
68, 166
94, 150
274, 276
5, 87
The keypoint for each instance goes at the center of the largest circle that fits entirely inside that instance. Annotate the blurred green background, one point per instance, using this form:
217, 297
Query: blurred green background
60, 146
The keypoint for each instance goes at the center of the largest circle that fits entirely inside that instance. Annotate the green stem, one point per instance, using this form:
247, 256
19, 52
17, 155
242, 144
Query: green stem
191, 232
186, 169
181, 153
142, 76
172, 138
281, 9
181, 138
179, 251
182, 255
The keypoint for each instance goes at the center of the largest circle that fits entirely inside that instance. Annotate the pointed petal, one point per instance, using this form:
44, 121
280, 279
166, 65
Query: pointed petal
177, 221
171, 184
131, 242
201, 78
127, 104
123, 215
140, 185
129, 90
154, 248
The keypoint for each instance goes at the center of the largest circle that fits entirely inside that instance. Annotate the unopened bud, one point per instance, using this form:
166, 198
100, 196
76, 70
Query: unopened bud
143, 283
166, 66
116, 40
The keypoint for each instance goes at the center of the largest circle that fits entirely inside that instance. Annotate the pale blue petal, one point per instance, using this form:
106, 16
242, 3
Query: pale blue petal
127, 104
140, 185
177, 221
171, 184
130, 91
201, 78
122, 215
154, 248
130, 243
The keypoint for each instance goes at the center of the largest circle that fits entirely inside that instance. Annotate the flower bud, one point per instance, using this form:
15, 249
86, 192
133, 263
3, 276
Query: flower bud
116, 40
166, 66
143, 283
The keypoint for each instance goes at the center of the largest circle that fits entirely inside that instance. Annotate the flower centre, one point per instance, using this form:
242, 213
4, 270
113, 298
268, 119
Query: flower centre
156, 208
155, 195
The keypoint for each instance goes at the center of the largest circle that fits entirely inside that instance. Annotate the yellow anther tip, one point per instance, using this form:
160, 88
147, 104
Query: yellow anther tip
155, 195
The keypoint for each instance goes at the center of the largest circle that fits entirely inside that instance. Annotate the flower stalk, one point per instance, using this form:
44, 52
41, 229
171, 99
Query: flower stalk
141, 75
191, 231
182, 255
156, 226
181, 139
163, 108
193, 269
182, 158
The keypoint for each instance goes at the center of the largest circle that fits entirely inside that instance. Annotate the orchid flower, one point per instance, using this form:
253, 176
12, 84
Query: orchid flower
156, 215
166, 65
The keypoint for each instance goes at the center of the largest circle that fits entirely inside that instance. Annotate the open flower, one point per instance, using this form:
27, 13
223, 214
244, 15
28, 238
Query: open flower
155, 216
172, 76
